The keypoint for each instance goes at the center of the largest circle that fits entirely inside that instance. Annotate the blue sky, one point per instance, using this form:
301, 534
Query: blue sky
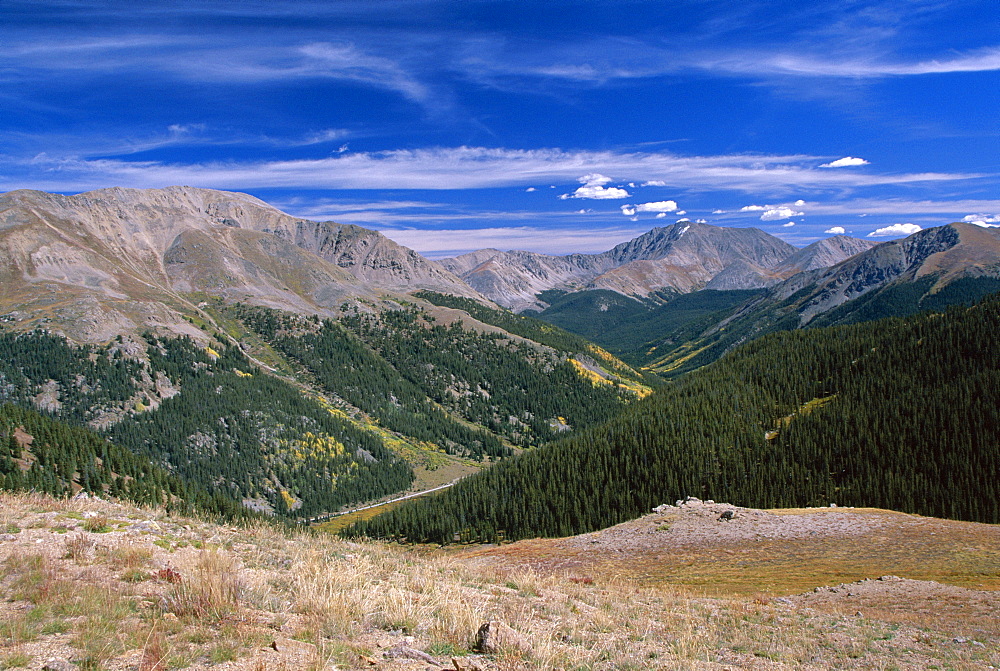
550, 126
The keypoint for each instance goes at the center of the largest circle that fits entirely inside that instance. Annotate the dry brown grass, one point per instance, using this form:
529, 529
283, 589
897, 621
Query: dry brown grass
323, 602
210, 593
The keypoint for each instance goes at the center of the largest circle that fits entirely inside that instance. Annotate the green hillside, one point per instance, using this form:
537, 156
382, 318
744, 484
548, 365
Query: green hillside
208, 416
363, 401
634, 329
458, 388
42, 454
700, 343
899, 413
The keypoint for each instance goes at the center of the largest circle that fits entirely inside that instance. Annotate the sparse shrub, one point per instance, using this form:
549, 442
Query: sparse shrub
55, 626
100, 634
78, 547
135, 575
445, 649
223, 652
34, 577
15, 660
154, 653
129, 556
168, 575
213, 592
98, 524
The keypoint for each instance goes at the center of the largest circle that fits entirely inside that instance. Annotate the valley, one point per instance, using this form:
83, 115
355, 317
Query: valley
243, 377
490, 336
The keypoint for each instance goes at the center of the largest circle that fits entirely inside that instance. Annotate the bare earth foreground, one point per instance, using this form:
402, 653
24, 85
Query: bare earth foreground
92, 584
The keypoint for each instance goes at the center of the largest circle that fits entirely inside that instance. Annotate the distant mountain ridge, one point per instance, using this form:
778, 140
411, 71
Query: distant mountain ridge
679, 258
117, 260
930, 269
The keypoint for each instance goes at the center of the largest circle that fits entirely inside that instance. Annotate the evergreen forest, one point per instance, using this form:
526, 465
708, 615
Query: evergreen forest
205, 415
472, 393
898, 413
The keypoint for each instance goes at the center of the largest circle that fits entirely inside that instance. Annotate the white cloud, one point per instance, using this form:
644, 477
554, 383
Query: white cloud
594, 179
984, 60
895, 229
438, 243
600, 193
654, 182
788, 225
447, 168
701, 221
750, 208
779, 213
845, 162
327, 135
835, 230
530, 189
799, 203
681, 212
683, 220
593, 188
659, 206
984, 220
718, 211
952, 210
661, 215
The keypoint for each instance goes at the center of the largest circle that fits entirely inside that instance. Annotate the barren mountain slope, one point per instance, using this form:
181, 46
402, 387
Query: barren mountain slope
946, 253
823, 254
114, 261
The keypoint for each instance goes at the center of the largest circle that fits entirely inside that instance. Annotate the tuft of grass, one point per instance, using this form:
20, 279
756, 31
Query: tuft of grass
15, 660
154, 652
135, 575
78, 547
211, 593
223, 652
129, 556
97, 524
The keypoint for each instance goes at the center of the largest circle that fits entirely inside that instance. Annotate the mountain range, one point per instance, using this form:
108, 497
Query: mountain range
292, 366
680, 258
113, 261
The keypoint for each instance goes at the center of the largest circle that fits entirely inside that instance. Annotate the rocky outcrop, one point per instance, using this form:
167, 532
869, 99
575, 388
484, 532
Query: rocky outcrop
371, 257
495, 637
